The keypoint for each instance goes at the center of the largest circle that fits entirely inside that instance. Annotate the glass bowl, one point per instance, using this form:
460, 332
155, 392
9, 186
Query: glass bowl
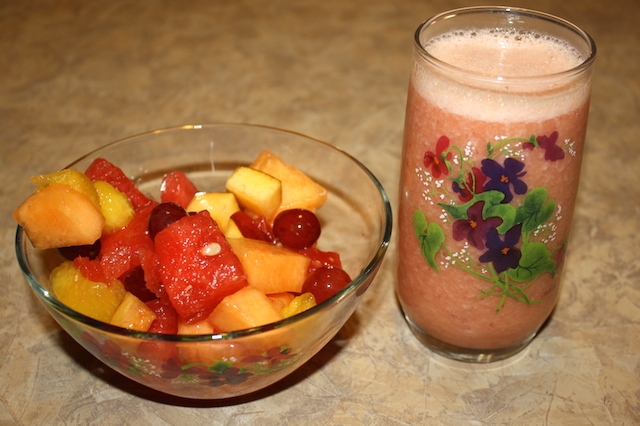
356, 223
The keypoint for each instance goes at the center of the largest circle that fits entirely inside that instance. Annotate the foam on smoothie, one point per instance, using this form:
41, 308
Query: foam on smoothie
510, 68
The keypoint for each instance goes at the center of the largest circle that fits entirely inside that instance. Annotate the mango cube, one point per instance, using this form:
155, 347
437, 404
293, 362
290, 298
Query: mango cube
220, 205
257, 192
299, 191
93, 299
271, 268
114, 205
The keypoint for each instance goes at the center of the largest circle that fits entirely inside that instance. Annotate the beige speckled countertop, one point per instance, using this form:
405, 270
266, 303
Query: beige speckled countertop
77, 74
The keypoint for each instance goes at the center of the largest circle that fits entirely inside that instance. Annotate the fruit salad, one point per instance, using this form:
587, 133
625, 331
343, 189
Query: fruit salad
192, 262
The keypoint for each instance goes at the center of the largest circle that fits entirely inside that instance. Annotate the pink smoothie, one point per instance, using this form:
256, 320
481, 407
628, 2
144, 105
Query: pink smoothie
475, 294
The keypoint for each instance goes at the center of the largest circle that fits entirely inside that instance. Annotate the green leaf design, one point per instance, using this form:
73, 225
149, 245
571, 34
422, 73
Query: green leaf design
220, 366
430, 237
535, 260
535, 210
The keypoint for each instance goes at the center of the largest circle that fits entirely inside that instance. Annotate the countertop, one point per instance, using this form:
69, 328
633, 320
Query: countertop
75, 75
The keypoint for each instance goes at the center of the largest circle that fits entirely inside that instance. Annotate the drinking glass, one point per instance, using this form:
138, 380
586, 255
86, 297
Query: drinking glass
494, 136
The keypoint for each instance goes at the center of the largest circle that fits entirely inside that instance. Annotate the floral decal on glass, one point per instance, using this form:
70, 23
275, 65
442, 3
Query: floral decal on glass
492, 208
160, 362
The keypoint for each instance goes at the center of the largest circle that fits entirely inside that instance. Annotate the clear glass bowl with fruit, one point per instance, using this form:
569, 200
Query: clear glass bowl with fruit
205, 261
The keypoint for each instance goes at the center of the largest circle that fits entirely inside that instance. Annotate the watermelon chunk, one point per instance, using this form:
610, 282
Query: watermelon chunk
102, 169
166, 321
321, 258
120, 251
197, 266
177, 188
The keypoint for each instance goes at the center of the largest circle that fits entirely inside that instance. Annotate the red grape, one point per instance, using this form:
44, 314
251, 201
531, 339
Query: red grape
134, 283
91, 251
297, 228
163, 215
326, 281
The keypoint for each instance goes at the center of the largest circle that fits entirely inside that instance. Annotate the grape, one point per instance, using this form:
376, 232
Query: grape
325, 281
134, 283
297, 228
163, 215
91, 251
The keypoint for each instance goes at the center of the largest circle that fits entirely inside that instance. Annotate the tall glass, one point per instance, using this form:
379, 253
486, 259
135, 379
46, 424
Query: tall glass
494, 135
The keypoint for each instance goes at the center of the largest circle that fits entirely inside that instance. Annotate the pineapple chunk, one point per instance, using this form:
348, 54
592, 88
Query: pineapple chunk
114, 205
256, 191
75, 179
299, 191
299, 304
133, 313
220, 205
93, 299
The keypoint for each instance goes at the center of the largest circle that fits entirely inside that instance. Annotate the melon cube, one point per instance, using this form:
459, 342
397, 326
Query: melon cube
59, 216
269, 267
220, 205
257, 192
280, 300
93, 299
114, 205
299, 191
133, 313
198, 327
246, 308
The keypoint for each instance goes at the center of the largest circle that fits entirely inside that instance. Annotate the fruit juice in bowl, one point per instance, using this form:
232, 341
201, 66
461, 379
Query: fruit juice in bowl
245, 341
494, 135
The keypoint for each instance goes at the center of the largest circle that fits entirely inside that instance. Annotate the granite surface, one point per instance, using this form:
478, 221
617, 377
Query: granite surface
77, 74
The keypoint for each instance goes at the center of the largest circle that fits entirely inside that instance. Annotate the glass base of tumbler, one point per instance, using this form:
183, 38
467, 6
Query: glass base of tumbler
465, 354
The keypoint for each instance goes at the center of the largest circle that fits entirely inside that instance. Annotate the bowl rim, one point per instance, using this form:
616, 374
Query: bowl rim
47, 297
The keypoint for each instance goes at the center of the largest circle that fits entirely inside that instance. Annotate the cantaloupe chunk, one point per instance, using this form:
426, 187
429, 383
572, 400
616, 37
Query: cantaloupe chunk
194, 352
93, 299
280, 300
114, 205
220, 205
257, 192
198, 327
59, 216
246, 308
299, 191
271, 268
133, 313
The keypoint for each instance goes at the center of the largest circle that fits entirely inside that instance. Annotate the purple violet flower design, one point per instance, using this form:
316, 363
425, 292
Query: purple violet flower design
552, 151
475, 228
503, 253
502, 178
